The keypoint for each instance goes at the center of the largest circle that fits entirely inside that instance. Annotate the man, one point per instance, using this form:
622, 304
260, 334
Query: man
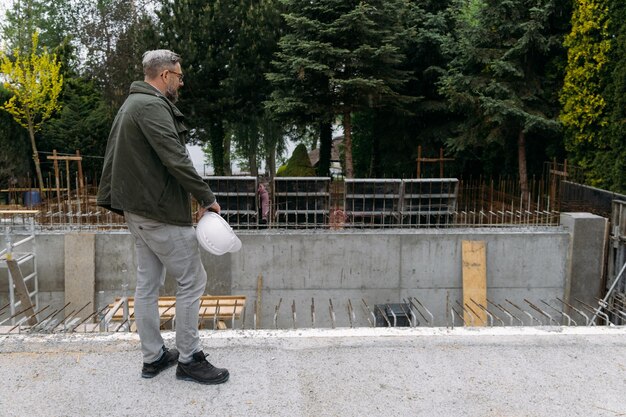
147, 177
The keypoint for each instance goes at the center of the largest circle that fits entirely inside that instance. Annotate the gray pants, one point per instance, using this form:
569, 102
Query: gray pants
159, 247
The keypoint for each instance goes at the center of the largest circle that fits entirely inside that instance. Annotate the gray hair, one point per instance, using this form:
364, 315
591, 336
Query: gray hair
156, 61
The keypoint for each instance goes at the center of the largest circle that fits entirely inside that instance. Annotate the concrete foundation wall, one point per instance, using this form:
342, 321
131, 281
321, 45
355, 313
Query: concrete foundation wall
378, 266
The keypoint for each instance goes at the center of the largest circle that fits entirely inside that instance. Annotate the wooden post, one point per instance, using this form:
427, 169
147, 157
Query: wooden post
440, 162
419, 160
81, 183
56, 178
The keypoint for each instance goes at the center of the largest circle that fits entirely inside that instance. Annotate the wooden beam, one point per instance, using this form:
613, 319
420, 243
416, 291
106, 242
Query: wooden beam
474, 281
22, 291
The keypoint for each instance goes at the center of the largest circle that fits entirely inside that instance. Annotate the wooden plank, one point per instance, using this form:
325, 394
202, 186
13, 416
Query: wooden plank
225, 306
19, 212
474, 280
22, 291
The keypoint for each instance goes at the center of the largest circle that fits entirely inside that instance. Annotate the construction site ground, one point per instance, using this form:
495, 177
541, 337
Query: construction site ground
513, 371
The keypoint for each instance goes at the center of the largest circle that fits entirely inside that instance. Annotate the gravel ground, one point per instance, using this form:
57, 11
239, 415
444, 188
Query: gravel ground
343, 372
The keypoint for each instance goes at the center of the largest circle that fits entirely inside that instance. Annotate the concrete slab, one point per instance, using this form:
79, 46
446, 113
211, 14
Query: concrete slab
343, 372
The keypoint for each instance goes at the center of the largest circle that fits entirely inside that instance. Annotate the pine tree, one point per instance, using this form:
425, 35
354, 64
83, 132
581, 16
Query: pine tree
338, 57
498, 78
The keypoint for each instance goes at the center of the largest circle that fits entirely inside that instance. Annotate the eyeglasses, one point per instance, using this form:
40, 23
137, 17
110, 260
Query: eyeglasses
180, 76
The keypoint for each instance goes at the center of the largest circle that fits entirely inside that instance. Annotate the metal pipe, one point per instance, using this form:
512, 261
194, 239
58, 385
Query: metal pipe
608, 294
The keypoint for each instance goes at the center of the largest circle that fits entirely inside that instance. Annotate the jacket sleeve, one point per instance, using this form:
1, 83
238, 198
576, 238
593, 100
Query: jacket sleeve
157, 124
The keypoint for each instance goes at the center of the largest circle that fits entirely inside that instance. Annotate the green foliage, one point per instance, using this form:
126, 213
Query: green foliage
337, 57
35, 82
501, 78
588, 46
386, 141
83, 124
609, 162
14, 149
299, 165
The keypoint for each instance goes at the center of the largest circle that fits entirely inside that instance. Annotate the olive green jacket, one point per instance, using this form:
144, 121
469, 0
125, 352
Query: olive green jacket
147, 170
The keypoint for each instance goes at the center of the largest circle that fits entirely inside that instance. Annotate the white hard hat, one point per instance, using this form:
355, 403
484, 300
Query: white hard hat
215, 234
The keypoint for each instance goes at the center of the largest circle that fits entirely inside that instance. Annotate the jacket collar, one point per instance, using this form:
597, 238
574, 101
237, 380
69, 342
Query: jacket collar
142, 87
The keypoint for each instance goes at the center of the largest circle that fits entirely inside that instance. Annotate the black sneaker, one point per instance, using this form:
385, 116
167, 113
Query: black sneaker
200, 370
169, 358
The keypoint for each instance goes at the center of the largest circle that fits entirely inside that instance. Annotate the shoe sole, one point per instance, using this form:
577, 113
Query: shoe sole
211, 382
149, 375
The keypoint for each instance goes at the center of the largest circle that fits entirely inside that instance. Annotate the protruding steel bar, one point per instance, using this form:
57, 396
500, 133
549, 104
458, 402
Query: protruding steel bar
596, 312
61, 322
464, 310
215, 313
413, 321
351, 316
490, 315
368, 313
254, 318
383, 314
312, 312
610, 308
582, 314
276, 313
293, 314
563, 314
476, 314
64, 307
232, 320
540, 311
15, 315
432, 317
83, 321
460, 316
525, 312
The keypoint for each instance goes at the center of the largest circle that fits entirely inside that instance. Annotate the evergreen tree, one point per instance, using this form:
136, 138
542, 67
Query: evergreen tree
298, 165
611, 159
584, 112
498, 79
204, 34
338, 57
386, 140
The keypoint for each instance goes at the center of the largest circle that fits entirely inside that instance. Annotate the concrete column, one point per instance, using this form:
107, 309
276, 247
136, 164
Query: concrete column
80, 272
584, 278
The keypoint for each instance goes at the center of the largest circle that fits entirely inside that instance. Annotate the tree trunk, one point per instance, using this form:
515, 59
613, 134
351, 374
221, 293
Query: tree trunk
228, 169
31, 133
347, 144
326, 143
252, 133
523, 175
217, 147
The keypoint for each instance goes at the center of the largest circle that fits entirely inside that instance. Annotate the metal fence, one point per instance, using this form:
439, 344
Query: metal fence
320, 203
